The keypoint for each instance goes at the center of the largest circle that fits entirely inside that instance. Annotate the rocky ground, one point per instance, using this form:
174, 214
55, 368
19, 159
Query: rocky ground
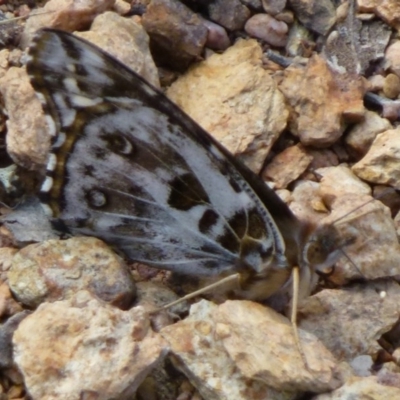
306, 93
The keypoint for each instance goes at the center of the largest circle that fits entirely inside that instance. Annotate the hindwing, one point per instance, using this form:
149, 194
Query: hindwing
130, 167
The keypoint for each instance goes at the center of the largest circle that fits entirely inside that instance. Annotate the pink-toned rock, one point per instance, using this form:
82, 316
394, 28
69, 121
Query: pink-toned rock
267, 28
350, 322
57, 269
249, 351
322, 101
217, 37
287, 166
83, 348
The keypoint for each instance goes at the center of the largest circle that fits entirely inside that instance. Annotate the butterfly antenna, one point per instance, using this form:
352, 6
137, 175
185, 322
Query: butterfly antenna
363, 204
228, 279
352, 263
7, 21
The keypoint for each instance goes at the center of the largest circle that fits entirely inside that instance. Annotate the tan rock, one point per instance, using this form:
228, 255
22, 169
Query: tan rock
245, 110
372, 250
362, 388
4, 54
382, 162
391, 86
240, 348
322, 101
388, 10
83, 347
28, 141
392, 56
126, 40
68, 15
349, 322
365, 226
338, 181
57, 269
361, 135
287, 166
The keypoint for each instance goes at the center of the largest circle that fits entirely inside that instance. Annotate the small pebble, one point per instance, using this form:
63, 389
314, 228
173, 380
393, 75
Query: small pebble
267, 28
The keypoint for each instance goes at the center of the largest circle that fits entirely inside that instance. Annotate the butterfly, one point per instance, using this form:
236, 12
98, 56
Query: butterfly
130, 167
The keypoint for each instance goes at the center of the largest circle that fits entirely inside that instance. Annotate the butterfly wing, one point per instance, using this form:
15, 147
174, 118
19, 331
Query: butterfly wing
130, 167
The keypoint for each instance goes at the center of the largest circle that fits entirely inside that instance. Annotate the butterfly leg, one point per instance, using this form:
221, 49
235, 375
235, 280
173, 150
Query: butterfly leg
228, 279
293, 319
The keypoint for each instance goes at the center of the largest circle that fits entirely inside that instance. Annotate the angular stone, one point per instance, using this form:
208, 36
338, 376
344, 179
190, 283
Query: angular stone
84, 348
57, 269
351, 321
247, 349
178, 35
317, 15
245, 114
361, 135
287, 166
67, 15
322, 101
382, 162
126, 40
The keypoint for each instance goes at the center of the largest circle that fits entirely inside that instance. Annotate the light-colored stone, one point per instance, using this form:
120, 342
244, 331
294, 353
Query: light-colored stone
126, 40
382, 162
244, 109
350, 321
338, 181
240, 348
83, 347
287, 166
375, 252
57, 269
68, 15
388, 10
392, 56
4, 54
361, 135
362, 388
391, 86
28, 141
365, 226
323, 101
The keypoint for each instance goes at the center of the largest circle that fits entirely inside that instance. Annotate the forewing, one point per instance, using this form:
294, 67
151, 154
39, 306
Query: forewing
130, 167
